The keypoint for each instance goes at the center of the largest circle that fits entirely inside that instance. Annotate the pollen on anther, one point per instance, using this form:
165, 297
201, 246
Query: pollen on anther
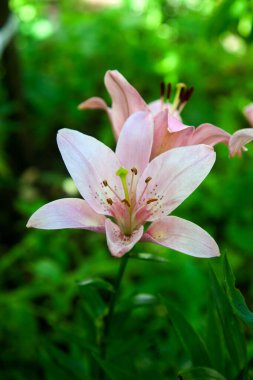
126, 202
134, 171
148, 179
152, 200
105, 183
109, 201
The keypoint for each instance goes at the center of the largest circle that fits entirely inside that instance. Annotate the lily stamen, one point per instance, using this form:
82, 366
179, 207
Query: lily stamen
126, 202
152, 200
147, 180
106, 184
109, 201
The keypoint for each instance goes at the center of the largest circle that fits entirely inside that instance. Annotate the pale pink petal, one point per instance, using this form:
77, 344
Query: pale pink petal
89, 163
182, 236
67, 213
238, 140
94, 103
135, 141
158, 106
125, 99
117, 242
248, 113
175, 125
169, 133
174, 175
210, 135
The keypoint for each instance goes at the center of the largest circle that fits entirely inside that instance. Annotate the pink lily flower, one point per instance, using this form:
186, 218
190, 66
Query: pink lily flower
123, 190
243, 136
169, 131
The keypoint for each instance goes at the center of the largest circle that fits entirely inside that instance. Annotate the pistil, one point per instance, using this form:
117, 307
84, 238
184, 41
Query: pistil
122, 173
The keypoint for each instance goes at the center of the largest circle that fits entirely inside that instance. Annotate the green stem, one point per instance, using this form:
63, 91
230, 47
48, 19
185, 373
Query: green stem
112, 303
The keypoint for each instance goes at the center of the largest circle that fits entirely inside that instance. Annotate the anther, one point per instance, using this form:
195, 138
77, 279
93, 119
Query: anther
162, 89
126, 202
148, 179
134, 171
152, 200
189, 93
105, 183
109, 201
183, 94
168, 91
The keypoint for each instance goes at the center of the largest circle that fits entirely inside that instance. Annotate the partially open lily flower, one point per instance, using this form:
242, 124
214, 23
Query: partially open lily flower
123, 190
169, 132
126, 100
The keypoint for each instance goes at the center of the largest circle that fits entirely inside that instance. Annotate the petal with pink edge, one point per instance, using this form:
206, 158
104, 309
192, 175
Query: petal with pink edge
125, 99
94, 103
248, 113
238, 140
182, 236
172, 177
67, 213
210, 135
89, 163
167, 133
117, 242
135, 141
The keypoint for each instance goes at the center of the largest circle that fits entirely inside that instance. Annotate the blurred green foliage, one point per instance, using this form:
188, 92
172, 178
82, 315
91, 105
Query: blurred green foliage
49, 325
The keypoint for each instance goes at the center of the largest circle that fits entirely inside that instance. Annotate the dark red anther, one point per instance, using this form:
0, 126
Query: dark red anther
189, 93
162, 89
182, 95
168, 91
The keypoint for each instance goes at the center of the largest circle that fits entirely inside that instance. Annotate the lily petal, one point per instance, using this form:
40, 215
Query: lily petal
172, 177
67, 213
118, 243
80, 154
182, 236
169, 133
238, 140
210, 135
125, 99
135, 141
158, 106
94, 103
248, 113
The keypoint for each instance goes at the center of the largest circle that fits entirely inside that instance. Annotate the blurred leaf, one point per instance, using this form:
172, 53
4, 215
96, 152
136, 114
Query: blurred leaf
235, 297
98, 283
200, 373
113, 371
148, 257
235, 341
144, 299
189, 338
93, 302
214, 338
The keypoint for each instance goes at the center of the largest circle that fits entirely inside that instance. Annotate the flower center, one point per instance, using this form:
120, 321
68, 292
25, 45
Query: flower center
125, 210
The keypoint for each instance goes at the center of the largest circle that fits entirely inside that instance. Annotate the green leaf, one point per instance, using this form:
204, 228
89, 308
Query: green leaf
113, 371
190, 339
236, 298
215, 339
143, 299
94, 303
148, 257
234, 339
98, 283
200, 373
